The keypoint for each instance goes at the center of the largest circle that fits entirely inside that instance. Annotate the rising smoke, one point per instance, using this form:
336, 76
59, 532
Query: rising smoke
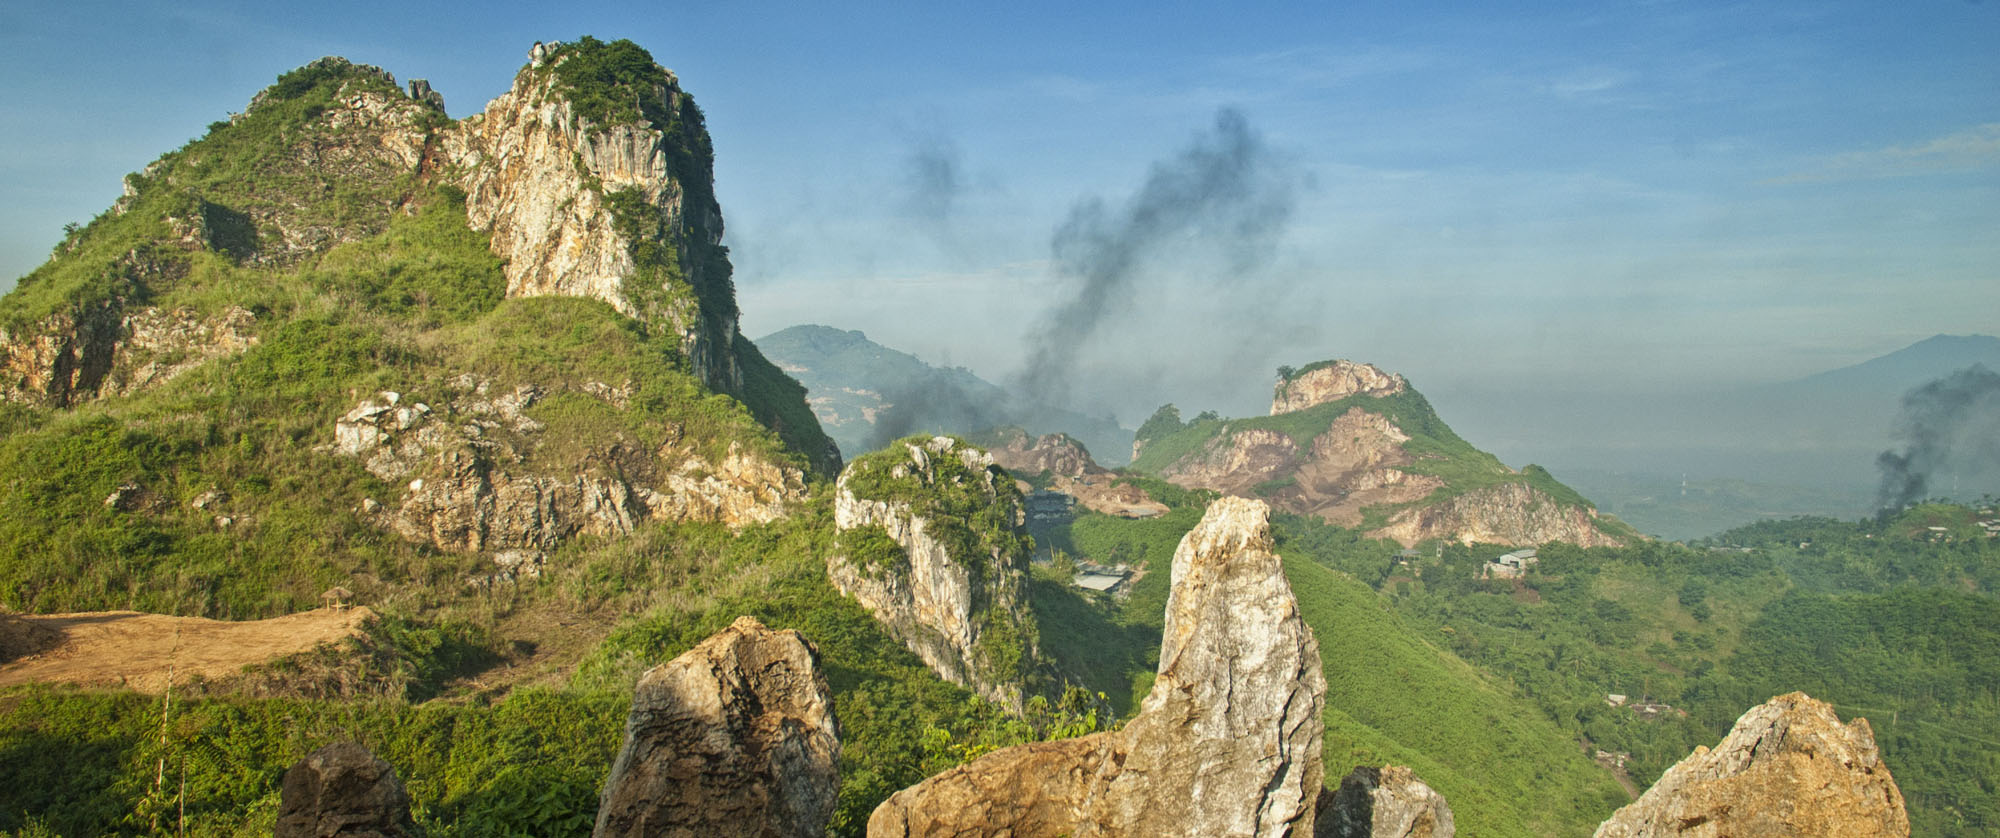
1227, 192
1953, 422
1225, 196
933, 180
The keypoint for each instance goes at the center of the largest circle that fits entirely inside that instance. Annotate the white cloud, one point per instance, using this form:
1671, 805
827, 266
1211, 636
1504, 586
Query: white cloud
1973, 149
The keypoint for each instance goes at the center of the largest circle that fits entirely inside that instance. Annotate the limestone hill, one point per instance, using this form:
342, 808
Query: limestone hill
341, 337
1362, 449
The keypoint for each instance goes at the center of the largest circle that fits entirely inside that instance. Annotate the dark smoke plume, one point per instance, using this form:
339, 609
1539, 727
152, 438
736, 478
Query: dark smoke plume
937, 403
1953, 421
1226, 191
932, 181
1226, 195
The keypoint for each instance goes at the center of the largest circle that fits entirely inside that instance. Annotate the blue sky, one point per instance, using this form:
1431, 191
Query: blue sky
1652, 195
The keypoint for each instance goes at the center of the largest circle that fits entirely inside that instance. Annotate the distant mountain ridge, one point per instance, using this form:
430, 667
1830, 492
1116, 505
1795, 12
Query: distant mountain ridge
866, 394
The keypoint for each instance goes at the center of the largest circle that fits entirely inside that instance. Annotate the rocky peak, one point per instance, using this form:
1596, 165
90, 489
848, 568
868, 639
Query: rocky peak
609, 201
1329, 381
930, 542
1788, 768
1227, 742
736, 737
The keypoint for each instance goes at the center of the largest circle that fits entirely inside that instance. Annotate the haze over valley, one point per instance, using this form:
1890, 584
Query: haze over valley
752, 421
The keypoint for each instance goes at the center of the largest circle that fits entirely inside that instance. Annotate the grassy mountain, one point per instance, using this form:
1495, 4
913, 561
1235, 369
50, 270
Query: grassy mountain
312, 348
1361, 448
867, 394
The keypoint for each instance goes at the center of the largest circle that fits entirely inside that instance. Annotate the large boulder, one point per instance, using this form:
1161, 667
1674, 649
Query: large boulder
1788, 768
1388, 802
1226, 744
343, 790
734, 738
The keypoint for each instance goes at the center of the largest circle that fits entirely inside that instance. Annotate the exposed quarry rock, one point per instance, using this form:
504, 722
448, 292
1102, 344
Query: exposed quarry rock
1788, 768
473, 486
1385, 802
537, 178
343, 790
736, 737
943, 606
1227, 742
1056, 454
1075, 473
1365, 467
1514, 514
1335, 381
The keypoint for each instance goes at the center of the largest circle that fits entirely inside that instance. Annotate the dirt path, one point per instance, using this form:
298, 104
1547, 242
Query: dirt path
137, 650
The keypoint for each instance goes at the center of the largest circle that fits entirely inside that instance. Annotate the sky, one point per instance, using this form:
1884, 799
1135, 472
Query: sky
1646, 196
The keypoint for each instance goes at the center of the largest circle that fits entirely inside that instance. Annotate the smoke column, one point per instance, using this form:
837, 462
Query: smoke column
932, 181
1954, 421
1226, 191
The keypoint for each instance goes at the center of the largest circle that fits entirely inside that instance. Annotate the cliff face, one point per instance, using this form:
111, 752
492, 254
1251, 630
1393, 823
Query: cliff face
930, 543
1226, 743
1358, 447
1788, 768
569, 202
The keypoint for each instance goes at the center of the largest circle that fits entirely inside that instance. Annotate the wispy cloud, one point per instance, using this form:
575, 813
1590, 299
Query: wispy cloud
1973, 149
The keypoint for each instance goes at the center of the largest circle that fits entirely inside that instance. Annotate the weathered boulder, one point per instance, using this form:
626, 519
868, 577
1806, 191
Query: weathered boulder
736, 737
343, 790
1226, 744
1388, 802
1788, 768
948, 581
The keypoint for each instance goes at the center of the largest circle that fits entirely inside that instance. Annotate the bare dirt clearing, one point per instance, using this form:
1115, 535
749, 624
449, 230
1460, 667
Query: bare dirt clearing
138, 650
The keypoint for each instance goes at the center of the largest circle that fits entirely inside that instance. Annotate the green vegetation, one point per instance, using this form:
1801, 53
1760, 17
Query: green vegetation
1436, 450
613, 83
971, 511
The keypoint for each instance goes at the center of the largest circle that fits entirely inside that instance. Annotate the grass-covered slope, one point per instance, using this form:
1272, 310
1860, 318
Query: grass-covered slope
1433, 448
1393, 697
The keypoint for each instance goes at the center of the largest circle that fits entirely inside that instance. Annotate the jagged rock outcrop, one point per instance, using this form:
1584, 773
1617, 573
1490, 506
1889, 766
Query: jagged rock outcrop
948, 582
1788, 768
105, 349
1074, 473
474, 483
1333, 381
542, 178
1387, 802
736, 737
343, 790
1227, 742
